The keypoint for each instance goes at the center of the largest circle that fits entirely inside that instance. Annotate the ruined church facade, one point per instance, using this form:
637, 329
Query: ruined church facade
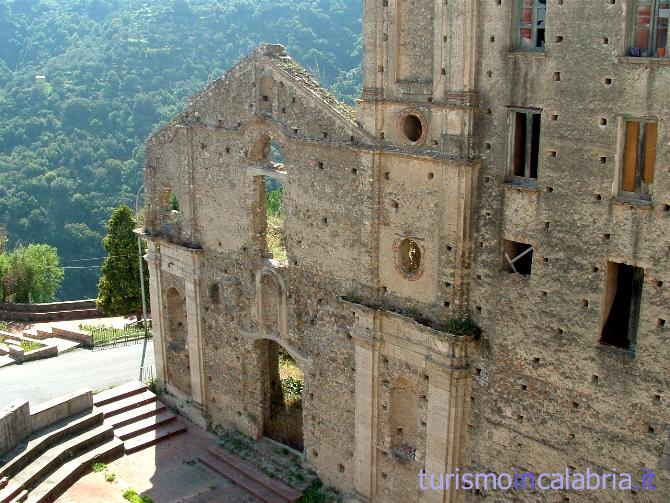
502, 163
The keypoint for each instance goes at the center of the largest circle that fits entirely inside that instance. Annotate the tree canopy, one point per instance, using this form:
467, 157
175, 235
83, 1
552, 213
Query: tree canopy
114, 71
30, 274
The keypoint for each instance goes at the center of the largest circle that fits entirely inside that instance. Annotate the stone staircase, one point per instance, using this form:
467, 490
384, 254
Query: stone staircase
49, 461
124, 419
248, 477
138, 419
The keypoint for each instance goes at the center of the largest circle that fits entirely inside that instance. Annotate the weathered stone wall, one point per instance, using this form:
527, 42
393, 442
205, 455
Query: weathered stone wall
424, 167
547, 395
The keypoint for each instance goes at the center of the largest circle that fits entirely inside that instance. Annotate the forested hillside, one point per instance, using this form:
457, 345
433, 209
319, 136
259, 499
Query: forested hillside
71, 143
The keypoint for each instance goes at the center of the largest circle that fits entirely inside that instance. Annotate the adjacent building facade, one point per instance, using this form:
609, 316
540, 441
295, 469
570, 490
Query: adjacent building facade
508, 160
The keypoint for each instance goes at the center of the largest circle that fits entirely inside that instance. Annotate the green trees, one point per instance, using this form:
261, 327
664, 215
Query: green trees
119, 290
115, 70
30, 274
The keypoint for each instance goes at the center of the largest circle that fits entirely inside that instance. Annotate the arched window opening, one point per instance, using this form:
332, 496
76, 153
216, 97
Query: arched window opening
276, 155
275, 237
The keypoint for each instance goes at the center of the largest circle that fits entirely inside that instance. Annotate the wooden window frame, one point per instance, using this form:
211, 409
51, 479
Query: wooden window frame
534, 25
642, 189
654, 19
530, 114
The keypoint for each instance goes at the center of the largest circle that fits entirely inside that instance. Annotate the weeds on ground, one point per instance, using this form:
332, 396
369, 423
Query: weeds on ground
151, 384
4, 326
316, 493
98, 467
132, 496
110, 477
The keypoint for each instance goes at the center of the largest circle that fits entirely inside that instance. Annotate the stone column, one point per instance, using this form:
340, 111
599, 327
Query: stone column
367, 347
153, 258
448, 380
194, 325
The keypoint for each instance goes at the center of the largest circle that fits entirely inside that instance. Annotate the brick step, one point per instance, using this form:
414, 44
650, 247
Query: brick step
257, 490
4, 350
118, 393
144, 425
43, 334
61, 480
220, 495
29, 450
132, 402
251, 471
133, 415
23, 495
32, 333
52, 459
153, 437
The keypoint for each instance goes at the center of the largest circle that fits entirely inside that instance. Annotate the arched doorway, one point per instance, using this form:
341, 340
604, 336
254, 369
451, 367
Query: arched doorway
283, 383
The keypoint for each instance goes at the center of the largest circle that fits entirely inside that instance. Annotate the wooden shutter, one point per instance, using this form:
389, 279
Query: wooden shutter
630, 156
649, 146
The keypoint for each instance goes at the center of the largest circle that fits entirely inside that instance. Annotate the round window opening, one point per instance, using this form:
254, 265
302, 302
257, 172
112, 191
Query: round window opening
412, 128
410, 256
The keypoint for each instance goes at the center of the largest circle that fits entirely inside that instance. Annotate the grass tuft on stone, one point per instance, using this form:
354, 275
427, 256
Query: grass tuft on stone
98, 467
132, 496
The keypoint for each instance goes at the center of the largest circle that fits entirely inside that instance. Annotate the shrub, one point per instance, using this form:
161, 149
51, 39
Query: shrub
462, 325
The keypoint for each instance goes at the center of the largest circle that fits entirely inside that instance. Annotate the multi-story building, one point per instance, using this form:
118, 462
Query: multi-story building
508, 161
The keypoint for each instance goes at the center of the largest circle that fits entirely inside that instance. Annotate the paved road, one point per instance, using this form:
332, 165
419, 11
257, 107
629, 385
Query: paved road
42, 380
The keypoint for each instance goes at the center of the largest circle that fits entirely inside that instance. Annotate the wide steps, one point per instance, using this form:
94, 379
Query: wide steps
133, 415
126, 404
153, 437
145, 425
279, 487
52, 458
28, 451
118, 393
60, 480
249, 477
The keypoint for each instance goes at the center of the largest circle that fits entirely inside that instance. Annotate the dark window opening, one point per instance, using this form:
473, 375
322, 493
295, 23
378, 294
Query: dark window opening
517, 257
526, 144
412, 128
622, 305
214, 292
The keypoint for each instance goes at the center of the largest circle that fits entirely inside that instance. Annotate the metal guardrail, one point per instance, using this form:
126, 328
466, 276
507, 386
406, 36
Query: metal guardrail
148, 372
111, 336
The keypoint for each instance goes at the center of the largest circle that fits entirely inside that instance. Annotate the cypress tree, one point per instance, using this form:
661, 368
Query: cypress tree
119, 291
